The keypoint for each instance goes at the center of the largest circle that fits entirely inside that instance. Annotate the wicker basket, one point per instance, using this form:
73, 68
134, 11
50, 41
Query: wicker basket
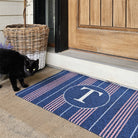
31, 41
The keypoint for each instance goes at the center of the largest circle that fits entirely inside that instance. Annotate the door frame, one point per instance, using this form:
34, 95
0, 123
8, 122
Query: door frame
61, 21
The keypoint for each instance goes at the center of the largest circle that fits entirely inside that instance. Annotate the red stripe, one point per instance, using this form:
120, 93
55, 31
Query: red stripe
127, 120
122, 115
52, 102
124, 120
88, 81
35, 94
57, 106
108, 88
131, 98
55, 103
86, 110
112, 92
86, 116
75, 114
112, 88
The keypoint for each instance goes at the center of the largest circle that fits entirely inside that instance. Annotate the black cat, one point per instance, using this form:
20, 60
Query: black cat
17, 67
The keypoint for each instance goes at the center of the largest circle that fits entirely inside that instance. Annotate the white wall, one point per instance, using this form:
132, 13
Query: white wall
11, 12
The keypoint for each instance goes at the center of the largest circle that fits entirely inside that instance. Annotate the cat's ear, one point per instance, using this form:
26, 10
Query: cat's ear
26, 58
37, 61
26, 62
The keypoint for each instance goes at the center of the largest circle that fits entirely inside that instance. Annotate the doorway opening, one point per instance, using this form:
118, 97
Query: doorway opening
53, 13
50, 20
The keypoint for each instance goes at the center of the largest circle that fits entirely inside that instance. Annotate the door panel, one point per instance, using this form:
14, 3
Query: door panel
101, 31
132, 16
84, 12
106, 12
95, 12
119, 13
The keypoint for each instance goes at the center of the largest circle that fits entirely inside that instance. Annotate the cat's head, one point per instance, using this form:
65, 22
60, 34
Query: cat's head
30, 66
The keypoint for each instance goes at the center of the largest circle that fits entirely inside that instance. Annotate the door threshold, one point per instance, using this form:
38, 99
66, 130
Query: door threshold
113, 69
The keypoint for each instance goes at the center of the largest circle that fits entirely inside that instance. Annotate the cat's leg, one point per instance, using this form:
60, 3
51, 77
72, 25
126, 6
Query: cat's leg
14, 83
24, 85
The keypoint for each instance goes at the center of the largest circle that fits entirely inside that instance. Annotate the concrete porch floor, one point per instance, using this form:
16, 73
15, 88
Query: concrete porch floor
21, 119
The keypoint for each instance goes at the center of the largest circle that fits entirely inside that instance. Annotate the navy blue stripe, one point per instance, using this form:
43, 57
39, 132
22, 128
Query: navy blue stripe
103, 85
70, 112
62, 109
97, 83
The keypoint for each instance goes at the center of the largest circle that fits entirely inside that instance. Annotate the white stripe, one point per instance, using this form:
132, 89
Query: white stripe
134, 131
101, 84
58, 90
107, 111
66, 110
41, 82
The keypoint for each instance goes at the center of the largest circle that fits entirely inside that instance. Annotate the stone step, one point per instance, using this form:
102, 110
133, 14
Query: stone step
108, 68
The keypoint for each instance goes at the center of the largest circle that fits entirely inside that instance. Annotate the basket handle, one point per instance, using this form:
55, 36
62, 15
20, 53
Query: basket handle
24, 14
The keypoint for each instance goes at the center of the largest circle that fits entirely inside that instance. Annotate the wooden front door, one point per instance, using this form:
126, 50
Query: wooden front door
104, 26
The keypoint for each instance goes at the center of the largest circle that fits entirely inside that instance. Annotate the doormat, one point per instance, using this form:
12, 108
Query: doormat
106, 109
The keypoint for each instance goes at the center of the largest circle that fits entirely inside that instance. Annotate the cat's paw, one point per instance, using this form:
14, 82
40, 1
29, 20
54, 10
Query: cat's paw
16, 89
25, 85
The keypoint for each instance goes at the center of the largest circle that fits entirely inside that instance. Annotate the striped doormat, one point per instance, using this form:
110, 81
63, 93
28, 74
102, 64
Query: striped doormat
107, 109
